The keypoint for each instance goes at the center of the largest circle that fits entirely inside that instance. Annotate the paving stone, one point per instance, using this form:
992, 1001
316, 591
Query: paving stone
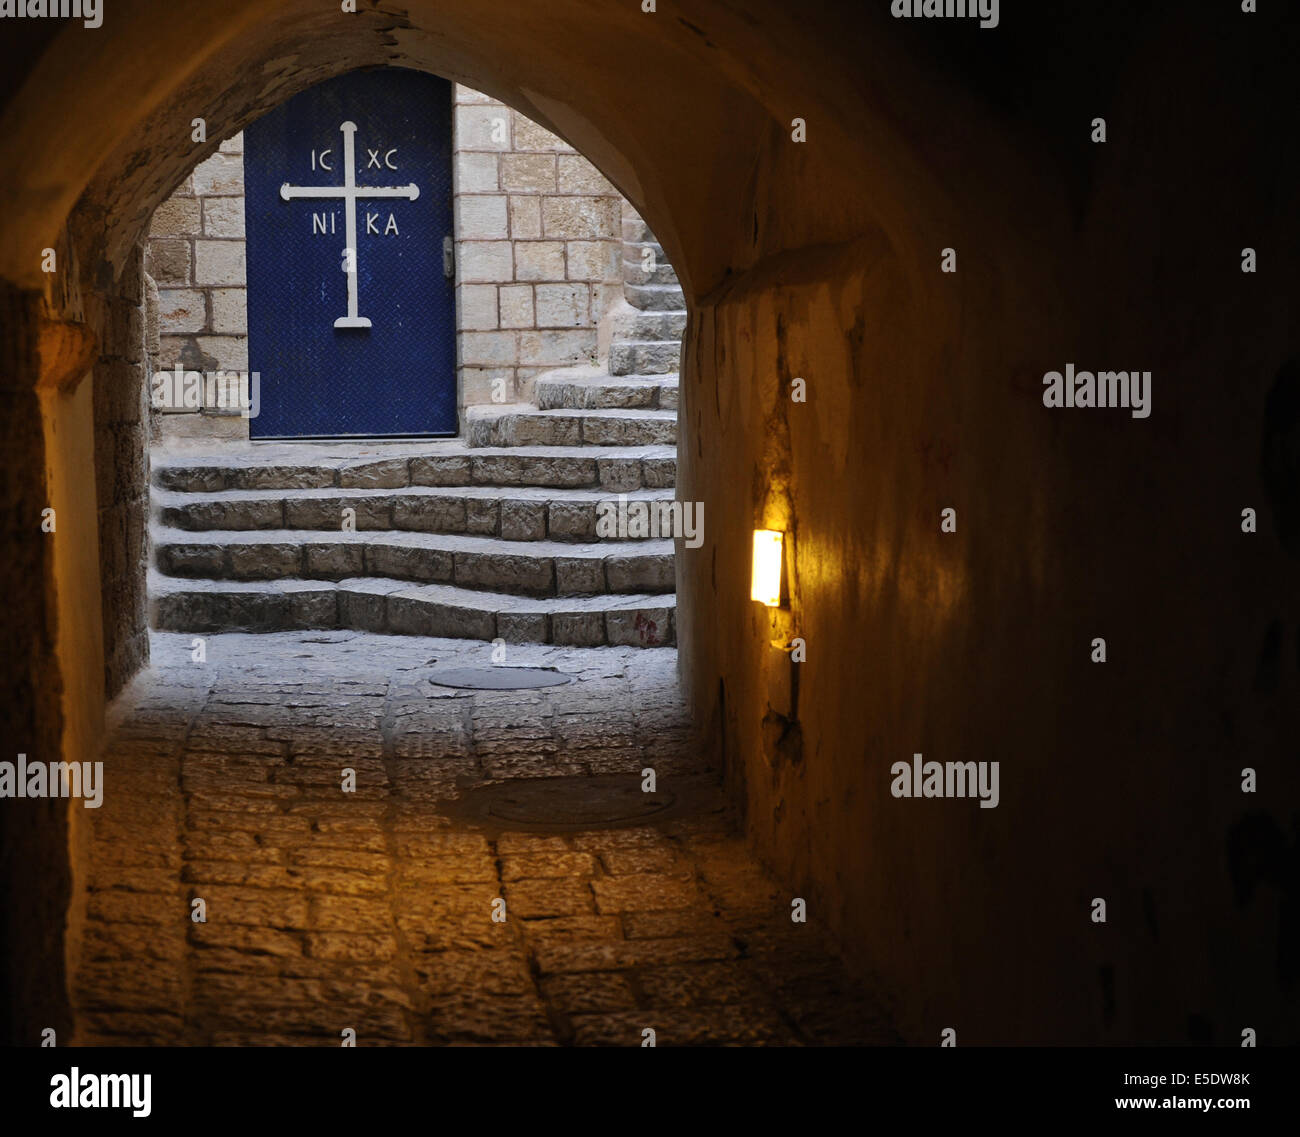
644, 892
350, 947
473, 869
635, 862
256, 940
257, 907
119, 1028
373, 910
131, 943
468, 1017
525, 866
344, 913
671, 923
120, 907
749, 1025
139, 990
488, 973
623, 1029
699, 984
604, 956
589, 993
531, 899
203, 874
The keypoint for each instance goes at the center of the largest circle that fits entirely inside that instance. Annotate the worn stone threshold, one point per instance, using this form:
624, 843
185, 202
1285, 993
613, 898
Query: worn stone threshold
562, 494
371, 604
334, 453
415, 539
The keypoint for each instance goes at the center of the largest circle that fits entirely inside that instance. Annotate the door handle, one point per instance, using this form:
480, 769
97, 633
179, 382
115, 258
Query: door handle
448, 257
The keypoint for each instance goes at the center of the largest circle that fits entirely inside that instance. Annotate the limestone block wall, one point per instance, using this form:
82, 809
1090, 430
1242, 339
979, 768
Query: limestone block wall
195, 256
538, 265
537, 250
33, 675
122, 474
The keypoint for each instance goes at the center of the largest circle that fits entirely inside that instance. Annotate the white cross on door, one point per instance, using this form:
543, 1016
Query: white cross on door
349, 192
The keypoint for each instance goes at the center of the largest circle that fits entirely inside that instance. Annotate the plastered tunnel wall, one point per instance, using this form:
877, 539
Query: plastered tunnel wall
817, 260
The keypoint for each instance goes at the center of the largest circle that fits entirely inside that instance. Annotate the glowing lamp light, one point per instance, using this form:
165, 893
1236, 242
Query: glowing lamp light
766, 584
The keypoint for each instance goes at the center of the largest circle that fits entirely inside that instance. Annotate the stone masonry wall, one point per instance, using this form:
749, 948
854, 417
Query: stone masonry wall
122, 475
35, 877
538, 251
196, 258
537, 232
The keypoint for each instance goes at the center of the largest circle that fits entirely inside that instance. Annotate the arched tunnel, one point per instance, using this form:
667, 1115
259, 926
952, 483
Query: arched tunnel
915, 223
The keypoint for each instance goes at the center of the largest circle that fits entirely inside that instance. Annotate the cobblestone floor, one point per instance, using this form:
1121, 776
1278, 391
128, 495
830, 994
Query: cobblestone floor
372, 910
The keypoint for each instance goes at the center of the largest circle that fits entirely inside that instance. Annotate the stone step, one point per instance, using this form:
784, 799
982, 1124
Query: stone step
634, 229
632, 247
513, 513
642, 326
563, 391
620, 469
381, 605
523, 424
533, 568
644, 357
655, 297
635, 272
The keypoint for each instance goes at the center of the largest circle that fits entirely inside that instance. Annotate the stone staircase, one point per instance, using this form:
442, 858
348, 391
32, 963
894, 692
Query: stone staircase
490, 537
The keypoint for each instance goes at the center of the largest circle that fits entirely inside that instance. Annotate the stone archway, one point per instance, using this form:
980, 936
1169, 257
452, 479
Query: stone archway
151, 73
816, 260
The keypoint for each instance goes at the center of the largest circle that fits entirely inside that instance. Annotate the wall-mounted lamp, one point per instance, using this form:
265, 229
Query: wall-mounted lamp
766, 583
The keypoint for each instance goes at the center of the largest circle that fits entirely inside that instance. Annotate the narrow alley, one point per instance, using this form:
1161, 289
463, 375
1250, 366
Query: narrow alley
373, 910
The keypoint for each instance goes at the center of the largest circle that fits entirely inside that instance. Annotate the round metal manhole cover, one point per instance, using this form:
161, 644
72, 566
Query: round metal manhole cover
499, 678
561, 804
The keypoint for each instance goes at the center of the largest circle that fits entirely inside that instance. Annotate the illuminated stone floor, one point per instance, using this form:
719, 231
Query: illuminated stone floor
372, 911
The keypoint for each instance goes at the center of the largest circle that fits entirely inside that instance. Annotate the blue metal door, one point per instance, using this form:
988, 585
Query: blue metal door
351, 310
